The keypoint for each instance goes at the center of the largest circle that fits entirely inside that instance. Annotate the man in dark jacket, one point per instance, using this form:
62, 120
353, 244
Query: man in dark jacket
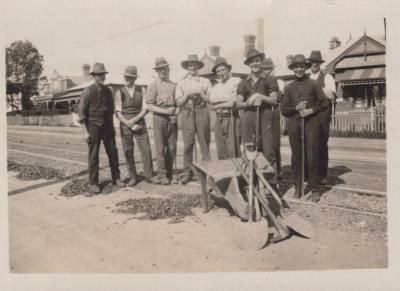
96, 111
302, 100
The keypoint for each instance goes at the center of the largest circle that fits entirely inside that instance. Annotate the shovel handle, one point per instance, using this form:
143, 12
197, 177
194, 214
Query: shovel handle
266, 184
280, 227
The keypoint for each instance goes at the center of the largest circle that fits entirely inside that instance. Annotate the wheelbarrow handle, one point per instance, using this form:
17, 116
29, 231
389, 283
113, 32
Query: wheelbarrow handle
265, 182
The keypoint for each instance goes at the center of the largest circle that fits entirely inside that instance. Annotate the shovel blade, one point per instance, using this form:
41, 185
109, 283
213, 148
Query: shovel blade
251, 235
299, 225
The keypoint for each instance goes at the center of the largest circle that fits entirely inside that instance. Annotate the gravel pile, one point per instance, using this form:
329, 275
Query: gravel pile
176, 208
33, 172
13, 166
81, 187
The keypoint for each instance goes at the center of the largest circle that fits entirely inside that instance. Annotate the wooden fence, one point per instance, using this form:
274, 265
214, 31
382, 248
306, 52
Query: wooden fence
360, 120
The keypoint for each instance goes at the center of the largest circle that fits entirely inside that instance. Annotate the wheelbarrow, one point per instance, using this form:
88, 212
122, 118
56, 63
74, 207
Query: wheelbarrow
230, 181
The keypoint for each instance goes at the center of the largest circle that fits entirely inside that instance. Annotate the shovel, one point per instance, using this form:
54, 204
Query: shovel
296, 223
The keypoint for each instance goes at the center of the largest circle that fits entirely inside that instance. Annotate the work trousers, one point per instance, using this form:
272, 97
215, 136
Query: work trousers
105, 133
277, 138
165, 136
267, 134
195, 122
141, 137
311, 151
325, 121
227, 136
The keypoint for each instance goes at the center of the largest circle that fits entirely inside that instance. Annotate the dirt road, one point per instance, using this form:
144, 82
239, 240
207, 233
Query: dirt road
52, 233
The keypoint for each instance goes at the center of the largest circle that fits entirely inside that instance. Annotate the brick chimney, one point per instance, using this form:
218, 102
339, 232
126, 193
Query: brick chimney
214, 50
334, 43
249, 43
260, 34
86, 71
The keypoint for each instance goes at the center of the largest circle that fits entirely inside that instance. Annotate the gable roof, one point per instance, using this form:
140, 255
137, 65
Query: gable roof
332, 56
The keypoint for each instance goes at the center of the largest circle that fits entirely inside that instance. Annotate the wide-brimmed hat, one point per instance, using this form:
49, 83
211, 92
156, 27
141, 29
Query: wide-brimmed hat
160, 63
131, 71
192, 59
267, 64
98, 68
315, 57
220, 61
252, 54
299, 59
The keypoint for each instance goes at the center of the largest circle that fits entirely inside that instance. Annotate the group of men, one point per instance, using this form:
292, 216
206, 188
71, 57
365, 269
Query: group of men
247, 110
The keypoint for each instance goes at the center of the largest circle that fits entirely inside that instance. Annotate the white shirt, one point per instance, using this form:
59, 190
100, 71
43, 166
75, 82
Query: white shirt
225, 91
194, 84
330, 88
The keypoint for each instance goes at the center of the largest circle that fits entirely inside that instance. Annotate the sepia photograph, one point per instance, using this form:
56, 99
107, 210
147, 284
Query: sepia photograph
180, 137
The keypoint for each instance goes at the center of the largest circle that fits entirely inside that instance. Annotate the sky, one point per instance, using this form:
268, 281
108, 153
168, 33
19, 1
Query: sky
174, 29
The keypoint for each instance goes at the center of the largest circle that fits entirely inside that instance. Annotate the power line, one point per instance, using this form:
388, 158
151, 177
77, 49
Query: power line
113, 36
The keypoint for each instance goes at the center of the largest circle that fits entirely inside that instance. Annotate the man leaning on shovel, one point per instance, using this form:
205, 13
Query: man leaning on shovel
192, 96
301, 102
260, 94
160, 98
96, 112
131, 110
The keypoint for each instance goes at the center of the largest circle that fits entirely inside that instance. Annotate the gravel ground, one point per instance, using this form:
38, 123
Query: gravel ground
29, 172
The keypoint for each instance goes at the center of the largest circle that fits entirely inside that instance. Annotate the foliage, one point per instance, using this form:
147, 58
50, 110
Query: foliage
23, 69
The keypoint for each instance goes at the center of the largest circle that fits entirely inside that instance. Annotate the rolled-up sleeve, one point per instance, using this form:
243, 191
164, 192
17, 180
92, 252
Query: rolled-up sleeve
179, 92
83, 106
330, 87
151, 94
144, 102
242, 90
273, 85
118, 102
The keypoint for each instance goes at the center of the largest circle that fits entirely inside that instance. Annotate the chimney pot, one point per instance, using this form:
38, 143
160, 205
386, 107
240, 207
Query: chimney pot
249, 43
334, 43
214, 50
86, 70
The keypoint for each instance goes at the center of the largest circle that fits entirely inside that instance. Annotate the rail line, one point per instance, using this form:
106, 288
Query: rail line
291, 200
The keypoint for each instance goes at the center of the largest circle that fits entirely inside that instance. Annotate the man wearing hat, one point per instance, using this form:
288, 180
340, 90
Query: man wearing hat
160, 99
192, 96
96, 111
131, 110
303, 99
259, 90
268, 66
327, 83
224, 99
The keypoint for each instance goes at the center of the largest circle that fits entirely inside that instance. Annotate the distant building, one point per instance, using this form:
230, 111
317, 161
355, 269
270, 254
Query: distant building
58, 85
359, 68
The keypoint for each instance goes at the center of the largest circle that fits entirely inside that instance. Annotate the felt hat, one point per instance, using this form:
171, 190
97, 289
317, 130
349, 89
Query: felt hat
220, 61
267, 64
192, 59
160, 63
252, 54
315, 57
131, 71
299, 59
98, 68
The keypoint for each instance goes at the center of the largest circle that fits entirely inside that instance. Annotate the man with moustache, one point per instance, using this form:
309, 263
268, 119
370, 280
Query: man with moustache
160, 98
192, 96
327, 82
96, 111
259, 90
304, 99
131, 109
224, 99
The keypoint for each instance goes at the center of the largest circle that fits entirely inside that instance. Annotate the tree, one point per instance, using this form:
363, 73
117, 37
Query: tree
23, 69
